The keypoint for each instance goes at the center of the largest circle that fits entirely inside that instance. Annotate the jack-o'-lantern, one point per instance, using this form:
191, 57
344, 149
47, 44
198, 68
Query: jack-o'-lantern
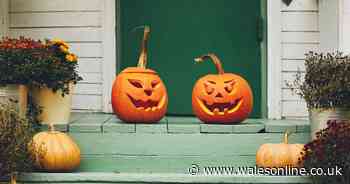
221, 98
138, 93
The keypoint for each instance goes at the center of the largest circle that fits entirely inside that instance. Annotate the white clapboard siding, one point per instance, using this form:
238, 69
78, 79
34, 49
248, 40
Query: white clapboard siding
297, 50
301, 37
300, 34
293, 65
55, 19
289, 95
87, 102
301, 5
90, 65
79, 22
289, 77
89, 50
71, 34
91, 78
88, 89
56, 5
300, 21
294, 109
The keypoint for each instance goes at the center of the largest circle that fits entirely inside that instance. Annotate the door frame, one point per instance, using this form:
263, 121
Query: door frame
270, 55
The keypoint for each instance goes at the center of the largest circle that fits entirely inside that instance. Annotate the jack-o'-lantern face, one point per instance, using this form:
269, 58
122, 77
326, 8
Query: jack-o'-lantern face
148, 94
138, 93
221, 98
139, 96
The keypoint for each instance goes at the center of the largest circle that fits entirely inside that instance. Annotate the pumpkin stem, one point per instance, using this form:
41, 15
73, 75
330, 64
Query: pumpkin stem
285, 140
51, 127
215, 60
13, 179
143, 55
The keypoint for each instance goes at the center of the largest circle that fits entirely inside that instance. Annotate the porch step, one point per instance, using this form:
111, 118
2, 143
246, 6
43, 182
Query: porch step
139, 178
113, 151
173, 145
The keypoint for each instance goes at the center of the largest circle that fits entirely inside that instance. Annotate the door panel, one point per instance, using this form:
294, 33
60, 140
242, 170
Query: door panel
184, 29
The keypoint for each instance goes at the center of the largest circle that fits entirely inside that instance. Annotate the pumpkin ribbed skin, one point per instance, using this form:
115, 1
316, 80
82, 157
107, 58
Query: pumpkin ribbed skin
55, 151
279, 155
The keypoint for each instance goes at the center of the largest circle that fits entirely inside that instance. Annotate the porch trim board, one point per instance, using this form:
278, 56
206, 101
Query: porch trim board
274, 65
109, 52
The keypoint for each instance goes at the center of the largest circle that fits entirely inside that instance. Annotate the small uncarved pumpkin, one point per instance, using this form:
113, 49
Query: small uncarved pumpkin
138, 93
223, 97
279, 155
55, 151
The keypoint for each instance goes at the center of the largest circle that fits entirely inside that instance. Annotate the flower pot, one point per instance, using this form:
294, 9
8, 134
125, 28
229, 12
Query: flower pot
55, 108
319, 117
17, 93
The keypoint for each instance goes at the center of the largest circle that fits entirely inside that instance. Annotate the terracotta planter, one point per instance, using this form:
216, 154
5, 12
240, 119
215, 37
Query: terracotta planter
17, 93
55, 108
319, 117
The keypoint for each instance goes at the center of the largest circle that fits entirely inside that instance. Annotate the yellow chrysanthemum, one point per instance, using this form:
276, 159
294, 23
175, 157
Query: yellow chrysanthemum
64, 49
71, 57
60, 43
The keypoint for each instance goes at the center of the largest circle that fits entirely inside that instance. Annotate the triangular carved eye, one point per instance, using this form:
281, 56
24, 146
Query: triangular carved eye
208, 89
136, 83
211, 82
229, 85
155, 84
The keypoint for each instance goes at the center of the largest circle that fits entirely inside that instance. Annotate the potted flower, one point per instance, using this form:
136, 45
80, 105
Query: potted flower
328, 154
15, 135
54, 74
15, 56
325, 88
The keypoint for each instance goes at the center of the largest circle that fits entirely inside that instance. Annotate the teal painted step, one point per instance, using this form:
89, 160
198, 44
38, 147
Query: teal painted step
173, 153
127, 178
173, 144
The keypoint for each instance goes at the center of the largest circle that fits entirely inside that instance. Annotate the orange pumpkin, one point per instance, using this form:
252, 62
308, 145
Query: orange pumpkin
279, 155
55, 151
221, 98
138, 93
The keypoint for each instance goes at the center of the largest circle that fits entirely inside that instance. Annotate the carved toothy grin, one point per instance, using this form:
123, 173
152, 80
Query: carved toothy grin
149, 105
220, 108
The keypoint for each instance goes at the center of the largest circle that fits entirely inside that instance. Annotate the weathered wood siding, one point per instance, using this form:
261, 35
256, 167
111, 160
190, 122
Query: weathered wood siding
300, 34
79, 22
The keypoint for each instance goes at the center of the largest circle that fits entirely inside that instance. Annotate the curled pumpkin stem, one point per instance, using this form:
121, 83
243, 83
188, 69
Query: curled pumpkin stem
286, 135
215, 60
143, 55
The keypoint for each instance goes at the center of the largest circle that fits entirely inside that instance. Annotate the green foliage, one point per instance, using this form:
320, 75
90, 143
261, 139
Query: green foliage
330, 150
15, 136
327, 81
35, 63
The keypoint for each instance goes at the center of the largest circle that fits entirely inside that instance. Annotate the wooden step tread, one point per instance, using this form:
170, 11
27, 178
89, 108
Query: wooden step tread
131, 178
109, 123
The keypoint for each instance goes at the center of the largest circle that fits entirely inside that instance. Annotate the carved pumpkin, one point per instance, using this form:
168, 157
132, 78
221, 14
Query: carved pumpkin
279, 155
55, 151
221, 98
138, 93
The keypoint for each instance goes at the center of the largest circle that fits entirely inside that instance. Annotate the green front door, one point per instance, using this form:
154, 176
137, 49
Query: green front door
184, 29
